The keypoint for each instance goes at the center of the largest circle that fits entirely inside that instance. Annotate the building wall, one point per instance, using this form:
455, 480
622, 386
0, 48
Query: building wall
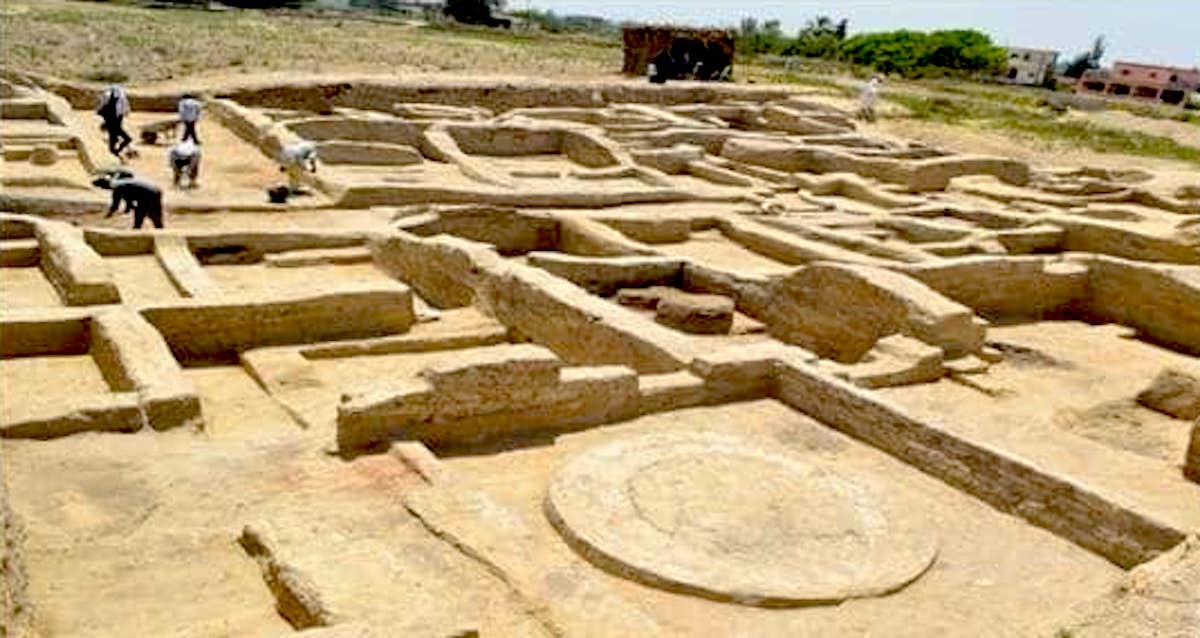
1029, 66
1146, 81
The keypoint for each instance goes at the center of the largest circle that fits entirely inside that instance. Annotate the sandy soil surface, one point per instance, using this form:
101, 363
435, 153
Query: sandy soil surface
1064, 375
994, 576
26, 286
260, 279
141, 279
235, 407
36, 380
232, 172
137, 536
713, 248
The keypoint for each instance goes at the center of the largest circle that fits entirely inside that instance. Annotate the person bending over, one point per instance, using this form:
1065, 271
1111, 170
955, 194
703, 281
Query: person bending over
296, 160
143, 197
184, 159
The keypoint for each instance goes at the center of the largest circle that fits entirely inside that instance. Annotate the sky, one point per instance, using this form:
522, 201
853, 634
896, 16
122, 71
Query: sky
1150, 31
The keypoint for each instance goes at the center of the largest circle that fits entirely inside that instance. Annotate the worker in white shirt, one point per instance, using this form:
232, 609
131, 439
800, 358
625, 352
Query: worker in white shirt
189, 115
868, 96
184, 159
296, 160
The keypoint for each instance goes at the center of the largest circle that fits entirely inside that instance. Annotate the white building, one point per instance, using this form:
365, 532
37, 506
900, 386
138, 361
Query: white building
1029, 66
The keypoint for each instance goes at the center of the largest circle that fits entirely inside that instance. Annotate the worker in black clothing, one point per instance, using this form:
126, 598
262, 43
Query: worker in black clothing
114, 106
138, 194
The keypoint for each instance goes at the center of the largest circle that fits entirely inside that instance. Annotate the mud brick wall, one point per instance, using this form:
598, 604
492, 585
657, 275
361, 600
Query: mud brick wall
1163, 302
1123, 536
217, 330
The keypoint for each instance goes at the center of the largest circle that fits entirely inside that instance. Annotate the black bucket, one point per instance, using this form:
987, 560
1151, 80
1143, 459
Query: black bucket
278, 194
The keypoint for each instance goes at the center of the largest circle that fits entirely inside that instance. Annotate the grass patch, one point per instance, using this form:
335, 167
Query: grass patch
1032, 121
77, 40
1102, 138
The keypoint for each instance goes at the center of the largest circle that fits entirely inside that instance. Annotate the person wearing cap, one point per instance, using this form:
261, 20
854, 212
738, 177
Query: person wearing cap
184, 160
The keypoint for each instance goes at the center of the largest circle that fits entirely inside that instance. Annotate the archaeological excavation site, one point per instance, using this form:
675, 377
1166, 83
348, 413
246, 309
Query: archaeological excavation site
588, 359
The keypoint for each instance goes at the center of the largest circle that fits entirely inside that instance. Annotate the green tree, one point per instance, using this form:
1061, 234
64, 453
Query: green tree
820, 38
756, 39
889, 52
913, 53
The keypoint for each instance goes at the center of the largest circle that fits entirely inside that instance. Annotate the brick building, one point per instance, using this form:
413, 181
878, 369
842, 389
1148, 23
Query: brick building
1169, 84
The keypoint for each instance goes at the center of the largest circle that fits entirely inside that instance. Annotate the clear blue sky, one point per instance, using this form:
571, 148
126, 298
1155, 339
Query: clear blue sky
1152, 31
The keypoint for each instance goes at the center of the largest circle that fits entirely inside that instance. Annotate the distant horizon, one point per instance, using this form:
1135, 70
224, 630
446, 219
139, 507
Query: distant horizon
1157, 32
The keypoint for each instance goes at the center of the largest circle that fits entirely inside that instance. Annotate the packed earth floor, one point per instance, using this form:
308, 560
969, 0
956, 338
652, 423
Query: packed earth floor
593, 359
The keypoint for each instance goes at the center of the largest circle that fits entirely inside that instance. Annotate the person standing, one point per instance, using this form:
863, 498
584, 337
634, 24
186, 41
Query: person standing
114, 106
868, 96
184, 160
189, 115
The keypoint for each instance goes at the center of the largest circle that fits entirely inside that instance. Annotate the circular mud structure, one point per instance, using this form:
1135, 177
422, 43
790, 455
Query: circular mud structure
723, 518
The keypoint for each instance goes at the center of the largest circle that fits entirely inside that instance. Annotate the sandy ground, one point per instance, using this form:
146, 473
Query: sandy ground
713, 248
27, 382
141, 279
994, 576
260, 279
232, 172
1070, 376
137, 536
235, 407
26, 286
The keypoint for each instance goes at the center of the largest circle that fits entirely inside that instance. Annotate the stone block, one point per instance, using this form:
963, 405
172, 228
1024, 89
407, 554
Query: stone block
218, 329
43, 155
695, 314
1174, 392
498, 373
1191, 462
116, 412
897, 360
603, 276
671, 391
76, 270
182, 267
416, 410
134, 358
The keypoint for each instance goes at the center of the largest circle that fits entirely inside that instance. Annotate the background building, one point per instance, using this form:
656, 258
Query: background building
1029, 66
1167, 84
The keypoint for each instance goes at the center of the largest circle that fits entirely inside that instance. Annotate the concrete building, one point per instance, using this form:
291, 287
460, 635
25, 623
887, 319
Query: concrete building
1029, 66
1169, 84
